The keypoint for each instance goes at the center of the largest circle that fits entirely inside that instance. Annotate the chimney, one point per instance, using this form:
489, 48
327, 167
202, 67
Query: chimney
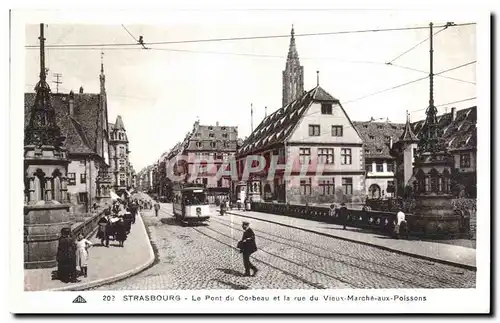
71, 103
453, 114
81, 89
217, 123
390, 143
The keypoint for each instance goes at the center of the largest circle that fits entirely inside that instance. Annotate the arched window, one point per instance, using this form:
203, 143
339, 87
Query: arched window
446, 181
374, 191
421, 180
56, 185
434, 181
39, 185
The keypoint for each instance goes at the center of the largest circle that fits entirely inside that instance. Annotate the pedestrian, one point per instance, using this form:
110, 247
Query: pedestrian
103, 230
247, 247
121, 234
343, 214
82, 254
157, 208
332, 210
66, 254
401, 228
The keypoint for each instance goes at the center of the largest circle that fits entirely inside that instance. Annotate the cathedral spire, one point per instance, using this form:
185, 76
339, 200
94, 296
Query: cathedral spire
102, 77
293, 75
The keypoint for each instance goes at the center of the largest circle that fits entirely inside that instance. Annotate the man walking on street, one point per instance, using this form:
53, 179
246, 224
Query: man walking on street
157, 208
247, 247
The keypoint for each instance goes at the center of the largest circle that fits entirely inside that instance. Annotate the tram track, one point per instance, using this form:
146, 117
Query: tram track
284, 271
335, 277
402, 273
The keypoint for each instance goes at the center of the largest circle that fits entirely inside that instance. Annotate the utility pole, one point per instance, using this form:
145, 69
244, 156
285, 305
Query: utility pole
57, 76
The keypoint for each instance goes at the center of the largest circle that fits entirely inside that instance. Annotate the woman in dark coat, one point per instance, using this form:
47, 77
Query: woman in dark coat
247, 247
121, 233
103, 231
66, 257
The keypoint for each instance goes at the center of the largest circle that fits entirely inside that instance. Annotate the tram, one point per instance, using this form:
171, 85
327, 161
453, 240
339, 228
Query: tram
190, 203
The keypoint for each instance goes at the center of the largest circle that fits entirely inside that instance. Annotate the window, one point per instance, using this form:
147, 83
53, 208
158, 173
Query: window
337, 131
305, 186
122, 162
390, 187
380, 167
347, 185
223, 128
326, 186
367, 151
198, 144
387, 138
224, 135
305, 155
198, 134
205, 181
369, 167
379, 150
464, 160
345, 154
314, 130
212, 144
71, 178
83, 178
371, 137
390, 167
82, 197
211, 135
414, 151
326, 108
325, 155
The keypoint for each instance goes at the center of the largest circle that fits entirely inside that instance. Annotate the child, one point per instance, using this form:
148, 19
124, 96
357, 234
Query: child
82, 254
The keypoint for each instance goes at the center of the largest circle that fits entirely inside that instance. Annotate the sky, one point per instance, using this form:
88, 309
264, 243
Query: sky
161, 92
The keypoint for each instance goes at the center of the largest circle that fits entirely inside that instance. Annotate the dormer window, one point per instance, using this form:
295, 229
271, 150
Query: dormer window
199, 144
211, 135
326, 108
371, 137
224, 135
212, 144
210, 128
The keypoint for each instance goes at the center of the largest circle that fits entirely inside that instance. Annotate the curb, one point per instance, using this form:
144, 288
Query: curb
117, 277
442, 261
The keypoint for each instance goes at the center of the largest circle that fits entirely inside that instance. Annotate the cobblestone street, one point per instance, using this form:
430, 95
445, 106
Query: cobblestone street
205, 257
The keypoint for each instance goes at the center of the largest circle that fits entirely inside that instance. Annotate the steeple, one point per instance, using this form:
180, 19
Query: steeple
102, 77
408, 135
42, 128
293, 75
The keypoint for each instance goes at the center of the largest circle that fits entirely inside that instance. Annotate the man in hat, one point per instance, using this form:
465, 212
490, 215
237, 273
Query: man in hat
247, 247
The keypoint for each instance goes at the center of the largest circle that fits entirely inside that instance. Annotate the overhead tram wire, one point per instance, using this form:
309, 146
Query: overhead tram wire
421, 71
447, 103
420, 43
408, 83
248, 38
133, 37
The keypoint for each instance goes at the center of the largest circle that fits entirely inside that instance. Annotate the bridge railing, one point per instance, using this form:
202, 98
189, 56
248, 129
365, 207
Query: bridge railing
383, 222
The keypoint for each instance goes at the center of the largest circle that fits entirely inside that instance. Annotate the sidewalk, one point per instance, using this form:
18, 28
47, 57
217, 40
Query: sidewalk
105, 265
444, 253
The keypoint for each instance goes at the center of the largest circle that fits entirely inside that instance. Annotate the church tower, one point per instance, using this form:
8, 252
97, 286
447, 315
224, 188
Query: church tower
293, 75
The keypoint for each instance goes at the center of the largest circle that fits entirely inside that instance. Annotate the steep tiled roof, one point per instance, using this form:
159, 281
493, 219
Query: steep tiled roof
377, 136
458, 134
207, 138
279, 125
76, 135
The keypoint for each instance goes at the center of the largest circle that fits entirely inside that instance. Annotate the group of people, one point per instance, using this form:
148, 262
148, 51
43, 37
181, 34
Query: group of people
117, 222
226, 204
72, 256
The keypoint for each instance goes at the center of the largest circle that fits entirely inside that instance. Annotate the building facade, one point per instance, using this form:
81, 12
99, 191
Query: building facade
83, 119
121, 167
312, 135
